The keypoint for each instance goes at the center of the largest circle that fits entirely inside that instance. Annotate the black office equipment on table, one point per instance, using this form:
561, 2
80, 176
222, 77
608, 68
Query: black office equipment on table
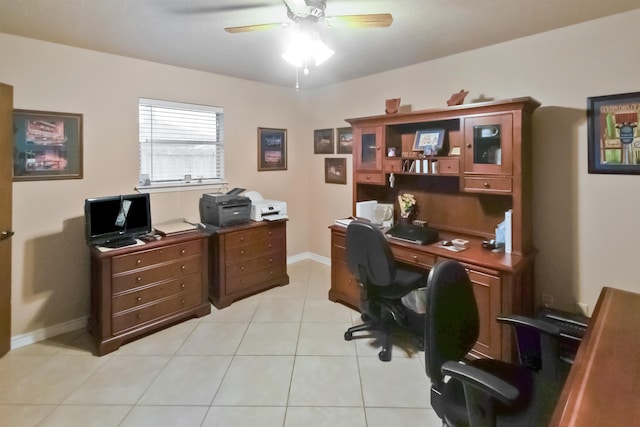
222, 210
413, 234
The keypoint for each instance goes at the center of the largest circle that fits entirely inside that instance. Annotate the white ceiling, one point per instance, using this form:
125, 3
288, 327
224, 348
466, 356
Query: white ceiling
189, 33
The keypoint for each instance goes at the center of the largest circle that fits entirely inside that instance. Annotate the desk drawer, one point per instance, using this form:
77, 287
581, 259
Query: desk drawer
448, 166
370, 177
143, 277
254, 249
416, 258
487, 184
157, 292
276, 231
148, 258
247, 266
239, 283
153, 312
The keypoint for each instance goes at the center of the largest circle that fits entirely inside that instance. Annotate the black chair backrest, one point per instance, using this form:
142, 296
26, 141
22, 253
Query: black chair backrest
452, 322
369, 257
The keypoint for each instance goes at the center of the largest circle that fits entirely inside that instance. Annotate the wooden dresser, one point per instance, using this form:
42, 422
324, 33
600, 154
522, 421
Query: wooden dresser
247, 259
140, 289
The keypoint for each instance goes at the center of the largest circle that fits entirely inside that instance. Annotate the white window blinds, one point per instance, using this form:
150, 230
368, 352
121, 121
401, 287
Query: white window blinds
180, 142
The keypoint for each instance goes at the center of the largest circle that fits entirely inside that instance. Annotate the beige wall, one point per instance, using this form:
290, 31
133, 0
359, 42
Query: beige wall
584, 223
50, 278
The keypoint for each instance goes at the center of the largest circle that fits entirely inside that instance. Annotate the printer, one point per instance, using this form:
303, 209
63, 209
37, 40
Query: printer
223, 210
264, 209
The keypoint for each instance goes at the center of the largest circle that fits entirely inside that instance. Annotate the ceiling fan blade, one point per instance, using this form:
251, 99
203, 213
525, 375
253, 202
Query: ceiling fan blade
197, 10
258, 27
375, 20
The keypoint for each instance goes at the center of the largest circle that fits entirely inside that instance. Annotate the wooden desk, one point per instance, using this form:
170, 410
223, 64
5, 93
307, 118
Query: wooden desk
603, 387
502, 284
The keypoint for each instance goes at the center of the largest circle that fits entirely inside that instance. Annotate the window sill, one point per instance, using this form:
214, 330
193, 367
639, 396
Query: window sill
183, 186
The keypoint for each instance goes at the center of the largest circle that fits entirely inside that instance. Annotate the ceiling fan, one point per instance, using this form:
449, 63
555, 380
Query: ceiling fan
305, 12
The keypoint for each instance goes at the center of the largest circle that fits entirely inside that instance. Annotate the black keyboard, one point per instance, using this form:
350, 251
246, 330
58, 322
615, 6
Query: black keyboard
120, 243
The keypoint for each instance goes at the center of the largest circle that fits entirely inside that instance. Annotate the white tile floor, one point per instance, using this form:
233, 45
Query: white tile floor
273, 359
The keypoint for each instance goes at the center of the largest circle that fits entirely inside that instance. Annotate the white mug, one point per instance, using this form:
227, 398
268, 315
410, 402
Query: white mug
488, 132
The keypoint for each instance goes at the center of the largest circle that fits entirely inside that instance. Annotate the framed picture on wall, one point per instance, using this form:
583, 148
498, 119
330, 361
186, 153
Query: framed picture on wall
272, 149
429, 141
613, 133
46, 145
335, 170
345, 141
323, 141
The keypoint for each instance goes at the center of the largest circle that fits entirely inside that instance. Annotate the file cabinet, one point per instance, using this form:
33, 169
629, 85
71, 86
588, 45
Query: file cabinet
141, 289
247, 259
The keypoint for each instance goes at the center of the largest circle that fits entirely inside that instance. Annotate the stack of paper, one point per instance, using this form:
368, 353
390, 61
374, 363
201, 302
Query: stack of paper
508, 235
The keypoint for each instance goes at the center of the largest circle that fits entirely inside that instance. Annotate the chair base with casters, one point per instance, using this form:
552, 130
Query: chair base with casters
382, 284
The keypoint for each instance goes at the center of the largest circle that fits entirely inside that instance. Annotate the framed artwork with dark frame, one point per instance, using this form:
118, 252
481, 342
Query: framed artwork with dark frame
429, 141
335, 170
272, 149
345, 141
613, 134
323, 141
46, 145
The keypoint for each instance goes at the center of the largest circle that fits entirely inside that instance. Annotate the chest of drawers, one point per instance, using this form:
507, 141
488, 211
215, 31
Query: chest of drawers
247, 259
140, 289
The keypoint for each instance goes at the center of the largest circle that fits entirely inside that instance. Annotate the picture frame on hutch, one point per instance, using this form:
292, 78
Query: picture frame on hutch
46, 145
613, 134
429, 141
272, 149
323, 141
335, 170
345, 140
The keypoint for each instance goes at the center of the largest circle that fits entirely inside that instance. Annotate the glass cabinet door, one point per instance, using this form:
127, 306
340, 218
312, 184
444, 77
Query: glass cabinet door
488, 144
368, 148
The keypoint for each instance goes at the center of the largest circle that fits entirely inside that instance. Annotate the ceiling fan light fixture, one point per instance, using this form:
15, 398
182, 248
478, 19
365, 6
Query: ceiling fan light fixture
304, 47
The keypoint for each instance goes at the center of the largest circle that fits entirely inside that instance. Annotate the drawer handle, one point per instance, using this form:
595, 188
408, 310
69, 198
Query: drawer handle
139, 316
485, 184
138, 261
270, 259
270, 272
182, 302
182, 285
242, 282
242, 268
139, 299
138, 279
183, 267
368, 177
270, 245
468, 145
182, 252
270, 233
241, 252
415, 257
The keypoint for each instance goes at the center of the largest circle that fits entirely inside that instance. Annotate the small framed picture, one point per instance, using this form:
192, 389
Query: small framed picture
323, 141
345, 141
429, 141
335, 170
272, 149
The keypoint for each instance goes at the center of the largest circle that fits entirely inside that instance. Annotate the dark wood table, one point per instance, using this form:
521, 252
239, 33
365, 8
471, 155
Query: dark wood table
603, 387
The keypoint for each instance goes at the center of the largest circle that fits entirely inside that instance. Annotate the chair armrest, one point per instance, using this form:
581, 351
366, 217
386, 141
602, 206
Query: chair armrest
529, 322
481, 380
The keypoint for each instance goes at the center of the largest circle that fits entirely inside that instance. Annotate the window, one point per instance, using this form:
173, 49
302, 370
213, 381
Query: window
180, 143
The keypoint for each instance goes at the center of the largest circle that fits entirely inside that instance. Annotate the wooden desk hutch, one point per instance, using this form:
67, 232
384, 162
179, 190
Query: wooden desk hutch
466, 197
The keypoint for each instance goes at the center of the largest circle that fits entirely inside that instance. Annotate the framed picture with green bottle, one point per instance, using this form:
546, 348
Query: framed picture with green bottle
613, 134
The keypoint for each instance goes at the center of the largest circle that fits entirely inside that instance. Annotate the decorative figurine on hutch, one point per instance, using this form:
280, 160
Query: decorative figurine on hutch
407, 203
392, 105
457, 98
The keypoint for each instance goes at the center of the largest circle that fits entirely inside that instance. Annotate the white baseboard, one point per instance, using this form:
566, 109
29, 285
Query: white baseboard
81, 323
48, 332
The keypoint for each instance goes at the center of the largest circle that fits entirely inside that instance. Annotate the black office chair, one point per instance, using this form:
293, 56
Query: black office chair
381, 282
485, 392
